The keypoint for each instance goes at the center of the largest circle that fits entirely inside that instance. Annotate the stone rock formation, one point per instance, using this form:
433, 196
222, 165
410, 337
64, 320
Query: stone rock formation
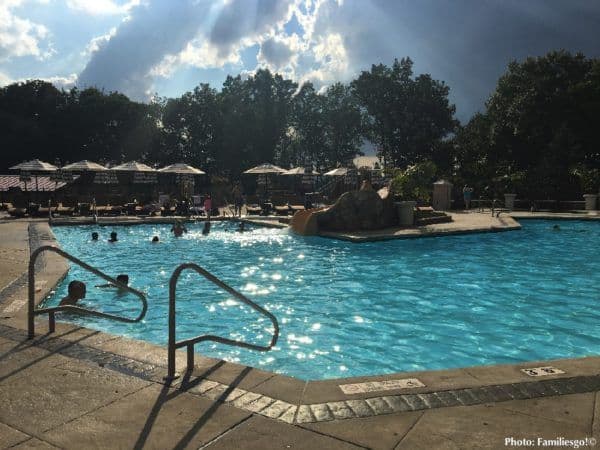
353, 211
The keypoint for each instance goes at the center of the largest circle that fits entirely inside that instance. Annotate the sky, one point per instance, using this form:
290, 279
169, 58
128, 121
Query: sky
167, 47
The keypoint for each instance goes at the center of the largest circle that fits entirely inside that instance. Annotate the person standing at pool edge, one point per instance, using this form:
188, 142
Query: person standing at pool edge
467, 194
208, 206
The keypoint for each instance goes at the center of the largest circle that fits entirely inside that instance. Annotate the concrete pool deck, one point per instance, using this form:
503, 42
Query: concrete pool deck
79, 388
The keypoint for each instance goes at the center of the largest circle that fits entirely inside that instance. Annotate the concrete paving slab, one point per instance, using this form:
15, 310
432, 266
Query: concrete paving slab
154, 417
382, 432
10, 437
483, 427
19, 359
259, 433
34, 443
576, 409
283, 388
329, 390
49, 396
223, 372
511, 373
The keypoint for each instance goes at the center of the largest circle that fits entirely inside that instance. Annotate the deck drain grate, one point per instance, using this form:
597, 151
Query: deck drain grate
542, 371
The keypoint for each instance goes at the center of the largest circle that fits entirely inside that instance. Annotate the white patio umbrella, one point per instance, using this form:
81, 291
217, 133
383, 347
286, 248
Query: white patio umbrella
84, 166
265, 169
299, 171
34, 166
134, 166
182, 168
142, 174
340, 171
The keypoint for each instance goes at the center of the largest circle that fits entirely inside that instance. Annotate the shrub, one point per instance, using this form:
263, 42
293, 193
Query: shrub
415, 182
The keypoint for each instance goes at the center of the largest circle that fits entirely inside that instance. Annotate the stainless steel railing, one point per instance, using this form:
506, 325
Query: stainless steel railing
189, 343
32, 312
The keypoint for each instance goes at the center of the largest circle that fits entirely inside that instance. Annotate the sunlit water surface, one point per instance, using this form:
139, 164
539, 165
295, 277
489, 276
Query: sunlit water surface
357, 309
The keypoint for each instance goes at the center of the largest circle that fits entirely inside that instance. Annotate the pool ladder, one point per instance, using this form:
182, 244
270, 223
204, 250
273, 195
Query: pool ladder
32, 312
173, 344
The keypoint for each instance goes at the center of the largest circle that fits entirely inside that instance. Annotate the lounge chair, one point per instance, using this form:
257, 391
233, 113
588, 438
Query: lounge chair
282, 210
197, 207
253, 210
65, 210
84, 209
17, 212
115, 210
103, 210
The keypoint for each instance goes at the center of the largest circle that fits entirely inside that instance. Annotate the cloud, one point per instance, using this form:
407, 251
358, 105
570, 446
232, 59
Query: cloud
153, 31
101, 7
467, 44
5, 79
96, 43
280, 50
248, 19
21, 37
61, 82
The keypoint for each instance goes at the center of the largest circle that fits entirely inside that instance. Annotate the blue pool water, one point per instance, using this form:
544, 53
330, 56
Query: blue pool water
358, 309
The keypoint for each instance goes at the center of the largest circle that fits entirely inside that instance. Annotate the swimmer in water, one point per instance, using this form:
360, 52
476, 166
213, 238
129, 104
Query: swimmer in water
178, 229
155, 239
206, 228
76, 291
122, 278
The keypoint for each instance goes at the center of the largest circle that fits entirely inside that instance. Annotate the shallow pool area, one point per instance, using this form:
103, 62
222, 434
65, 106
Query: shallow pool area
356, 309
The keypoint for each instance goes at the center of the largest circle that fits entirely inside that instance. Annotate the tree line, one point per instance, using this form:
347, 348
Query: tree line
537, 132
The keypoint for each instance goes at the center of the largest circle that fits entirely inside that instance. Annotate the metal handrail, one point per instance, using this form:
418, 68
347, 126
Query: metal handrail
31, 311
189, 343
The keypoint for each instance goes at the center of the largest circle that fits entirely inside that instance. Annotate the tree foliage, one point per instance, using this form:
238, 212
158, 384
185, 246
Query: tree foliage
409, 116
541, 121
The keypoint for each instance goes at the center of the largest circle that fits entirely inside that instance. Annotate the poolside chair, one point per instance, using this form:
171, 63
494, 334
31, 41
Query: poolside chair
84, 209
17, 212
64, 210
102, 210
197, 207
253, 210
282, 210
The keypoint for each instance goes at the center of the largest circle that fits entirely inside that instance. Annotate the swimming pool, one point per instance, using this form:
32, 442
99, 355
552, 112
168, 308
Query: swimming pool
357, 309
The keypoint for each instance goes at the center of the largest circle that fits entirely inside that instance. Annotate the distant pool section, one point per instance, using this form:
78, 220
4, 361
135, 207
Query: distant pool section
356, 309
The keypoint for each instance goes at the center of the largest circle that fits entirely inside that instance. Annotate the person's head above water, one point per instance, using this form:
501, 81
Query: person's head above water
155, 239
113, 237
123, 279
76, 289
94, 236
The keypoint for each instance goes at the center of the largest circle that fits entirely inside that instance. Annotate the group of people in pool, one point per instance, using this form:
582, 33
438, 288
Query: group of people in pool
178, 229
77, 289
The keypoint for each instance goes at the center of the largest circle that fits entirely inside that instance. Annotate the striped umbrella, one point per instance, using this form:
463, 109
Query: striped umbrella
34, 166
142, 174
182, 168
84, 166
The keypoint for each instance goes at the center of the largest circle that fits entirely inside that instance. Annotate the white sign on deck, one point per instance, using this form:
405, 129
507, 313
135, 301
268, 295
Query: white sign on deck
387, 385
542, 371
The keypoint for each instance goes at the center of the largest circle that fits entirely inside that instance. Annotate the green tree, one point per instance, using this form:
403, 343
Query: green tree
409, 116
544, 118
